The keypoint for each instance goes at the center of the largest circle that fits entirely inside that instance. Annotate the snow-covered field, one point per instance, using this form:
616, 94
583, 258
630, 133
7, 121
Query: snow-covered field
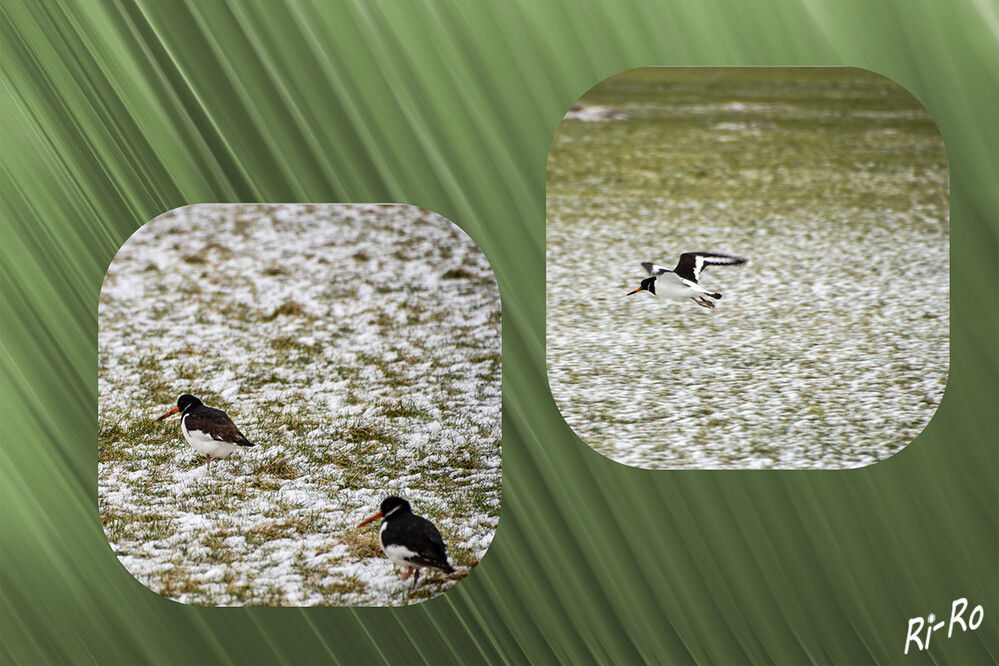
828, 350
357, 346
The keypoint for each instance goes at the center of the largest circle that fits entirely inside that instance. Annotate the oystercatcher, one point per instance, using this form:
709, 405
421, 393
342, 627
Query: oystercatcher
681, 282
210, 431
410, 541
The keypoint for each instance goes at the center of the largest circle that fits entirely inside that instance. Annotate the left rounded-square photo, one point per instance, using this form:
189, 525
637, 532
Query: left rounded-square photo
299, 405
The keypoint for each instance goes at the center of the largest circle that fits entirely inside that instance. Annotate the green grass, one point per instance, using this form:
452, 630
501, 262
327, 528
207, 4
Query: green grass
332, 405
831, 144
802, 170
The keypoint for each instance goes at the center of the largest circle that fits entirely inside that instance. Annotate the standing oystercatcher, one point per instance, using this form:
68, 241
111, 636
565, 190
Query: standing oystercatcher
681, 282
410, 541
210, 431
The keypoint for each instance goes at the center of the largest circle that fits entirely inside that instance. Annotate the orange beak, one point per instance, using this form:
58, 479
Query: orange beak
633, 292
170, 413
371, 519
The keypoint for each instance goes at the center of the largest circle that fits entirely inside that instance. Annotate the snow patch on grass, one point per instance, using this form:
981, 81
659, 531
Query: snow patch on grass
830, 348
357, 346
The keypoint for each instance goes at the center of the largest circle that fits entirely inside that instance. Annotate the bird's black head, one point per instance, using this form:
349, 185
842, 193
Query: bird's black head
187, 402
648, 284
395, 506
392, 506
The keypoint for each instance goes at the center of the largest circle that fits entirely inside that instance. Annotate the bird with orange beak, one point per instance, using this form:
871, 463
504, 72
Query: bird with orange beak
681, 282
209, 431
409, 541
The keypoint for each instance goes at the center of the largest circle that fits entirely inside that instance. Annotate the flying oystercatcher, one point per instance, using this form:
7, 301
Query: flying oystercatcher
681, 282
410, 541
210, 431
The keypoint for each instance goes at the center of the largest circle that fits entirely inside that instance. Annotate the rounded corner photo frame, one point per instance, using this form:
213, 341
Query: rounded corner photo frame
747, 267
273, 379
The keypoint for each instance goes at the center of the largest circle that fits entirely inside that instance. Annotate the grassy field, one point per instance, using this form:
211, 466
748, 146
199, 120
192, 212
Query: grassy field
357, 346
830, 348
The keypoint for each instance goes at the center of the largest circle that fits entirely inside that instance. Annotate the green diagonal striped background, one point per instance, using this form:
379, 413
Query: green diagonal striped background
114, 112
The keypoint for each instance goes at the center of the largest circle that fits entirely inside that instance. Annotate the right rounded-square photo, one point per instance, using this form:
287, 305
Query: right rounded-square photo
747, 268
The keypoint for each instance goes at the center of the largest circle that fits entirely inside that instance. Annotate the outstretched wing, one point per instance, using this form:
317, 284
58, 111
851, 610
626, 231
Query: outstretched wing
692, 263
653, 269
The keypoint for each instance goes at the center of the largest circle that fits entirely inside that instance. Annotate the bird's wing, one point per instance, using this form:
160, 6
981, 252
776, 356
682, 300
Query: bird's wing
435, 553
219, 426
692, 263
654, 269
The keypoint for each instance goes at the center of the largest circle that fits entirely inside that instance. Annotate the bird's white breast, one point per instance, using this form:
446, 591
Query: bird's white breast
400, 555
670, 285
204, 444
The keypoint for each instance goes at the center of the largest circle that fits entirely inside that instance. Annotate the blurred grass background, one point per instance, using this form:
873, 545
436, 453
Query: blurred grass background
830, 349
818, 117
115, 112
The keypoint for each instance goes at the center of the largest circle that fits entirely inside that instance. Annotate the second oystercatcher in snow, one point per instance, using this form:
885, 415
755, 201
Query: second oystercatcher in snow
410, 541
681, 282
208, 430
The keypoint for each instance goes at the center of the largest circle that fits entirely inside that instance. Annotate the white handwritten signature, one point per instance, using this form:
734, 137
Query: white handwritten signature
957, 609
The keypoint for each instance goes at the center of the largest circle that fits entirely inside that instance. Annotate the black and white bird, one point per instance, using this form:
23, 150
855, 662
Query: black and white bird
409, 541
681, 282
208, 430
